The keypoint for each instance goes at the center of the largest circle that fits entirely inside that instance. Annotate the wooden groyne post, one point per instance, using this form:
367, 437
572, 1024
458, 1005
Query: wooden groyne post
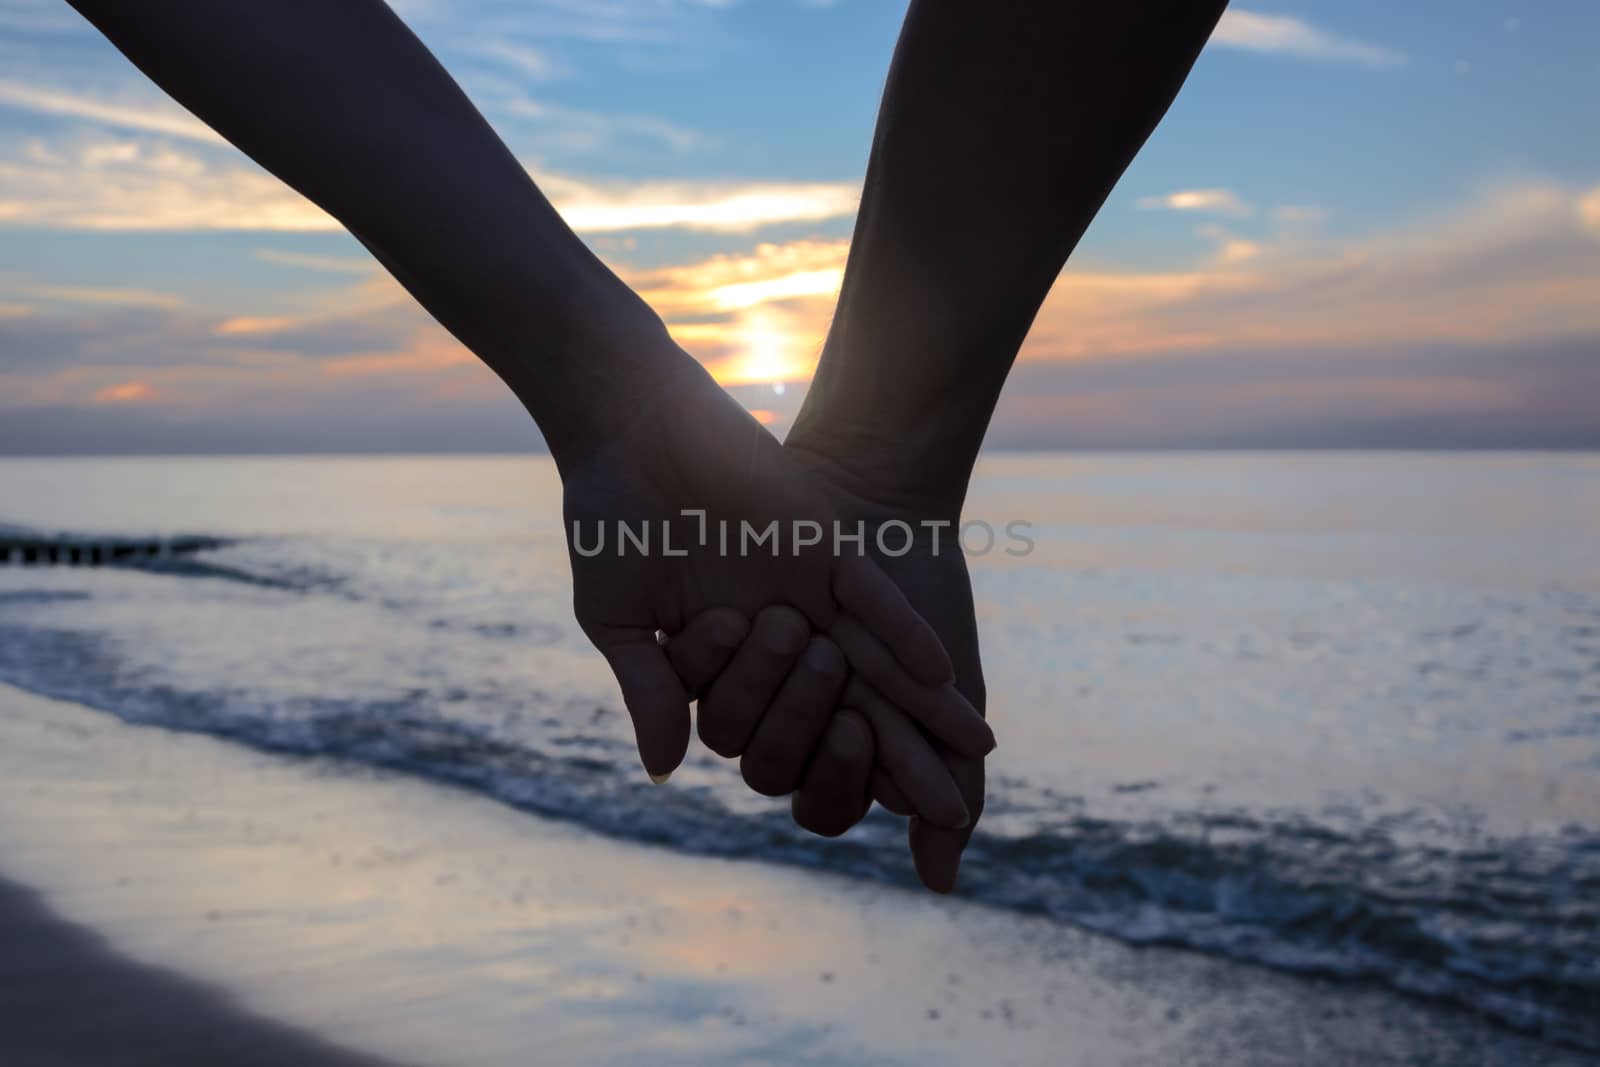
37, 551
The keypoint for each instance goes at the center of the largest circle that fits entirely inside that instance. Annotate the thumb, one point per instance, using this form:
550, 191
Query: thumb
656, 701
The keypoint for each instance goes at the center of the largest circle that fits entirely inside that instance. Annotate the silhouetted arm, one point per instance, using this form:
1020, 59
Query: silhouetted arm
340, 100
1002, 130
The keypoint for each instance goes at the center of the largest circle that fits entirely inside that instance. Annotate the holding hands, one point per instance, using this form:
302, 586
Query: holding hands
773, 637
834, 677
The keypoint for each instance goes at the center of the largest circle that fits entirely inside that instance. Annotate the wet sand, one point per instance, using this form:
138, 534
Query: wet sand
66, 998
184, 900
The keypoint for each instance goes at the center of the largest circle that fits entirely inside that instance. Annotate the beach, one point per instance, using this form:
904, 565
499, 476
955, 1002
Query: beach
357, 916
1296, 765
355, 352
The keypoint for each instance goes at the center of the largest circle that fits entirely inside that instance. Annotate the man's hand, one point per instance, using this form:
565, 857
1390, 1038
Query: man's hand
933, 576
834, 791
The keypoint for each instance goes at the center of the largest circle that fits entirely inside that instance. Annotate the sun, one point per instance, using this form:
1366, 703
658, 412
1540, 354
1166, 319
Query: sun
763, 348
766, 351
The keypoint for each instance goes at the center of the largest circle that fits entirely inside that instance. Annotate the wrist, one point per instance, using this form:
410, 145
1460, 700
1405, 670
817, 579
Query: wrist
585, 388
904, 431
905, 472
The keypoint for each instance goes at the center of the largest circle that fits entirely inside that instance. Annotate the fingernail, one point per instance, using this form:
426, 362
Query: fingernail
660, 779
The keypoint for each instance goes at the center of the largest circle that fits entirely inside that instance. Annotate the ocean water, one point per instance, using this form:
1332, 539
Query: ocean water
1328, 713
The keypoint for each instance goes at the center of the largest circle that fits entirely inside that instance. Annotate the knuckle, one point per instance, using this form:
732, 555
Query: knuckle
783, 630
823, 658
724, 628
849, 740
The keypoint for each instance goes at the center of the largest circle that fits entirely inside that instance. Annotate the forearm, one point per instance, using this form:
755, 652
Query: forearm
342, 102
1003, 129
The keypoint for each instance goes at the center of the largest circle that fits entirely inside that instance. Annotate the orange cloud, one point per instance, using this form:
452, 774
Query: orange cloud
1517, 262
425, 357
731, 282
758, 317
247, 325
1212, 201
126, 393
718, 206
145, 180
1589, 210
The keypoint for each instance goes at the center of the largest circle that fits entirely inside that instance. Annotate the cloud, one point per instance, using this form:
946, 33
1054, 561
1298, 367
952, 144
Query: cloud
148, 185
731, 282
1516, 262
1231, 248
146, 115
723, 207
39, 16
253, 325
194, 369
591, 129
306, 261
113, 335
533, 63
321, 336
1285, 35
1589, 210
1202, 201
125, 393
737, 295
1439, 395
132, 298
613, 22
757, 317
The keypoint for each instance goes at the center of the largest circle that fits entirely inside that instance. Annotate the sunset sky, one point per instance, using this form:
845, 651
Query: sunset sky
1363, 223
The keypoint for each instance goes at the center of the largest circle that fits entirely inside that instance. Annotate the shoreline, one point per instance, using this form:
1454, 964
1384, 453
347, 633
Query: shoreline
408, 921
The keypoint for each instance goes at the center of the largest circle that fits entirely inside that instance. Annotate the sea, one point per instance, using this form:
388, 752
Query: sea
1329, 713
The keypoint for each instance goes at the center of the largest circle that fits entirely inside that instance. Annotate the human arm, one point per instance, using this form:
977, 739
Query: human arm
342, 102
1002, 130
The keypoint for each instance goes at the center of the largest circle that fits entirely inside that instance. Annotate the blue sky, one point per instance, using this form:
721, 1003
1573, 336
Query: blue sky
1361, 223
